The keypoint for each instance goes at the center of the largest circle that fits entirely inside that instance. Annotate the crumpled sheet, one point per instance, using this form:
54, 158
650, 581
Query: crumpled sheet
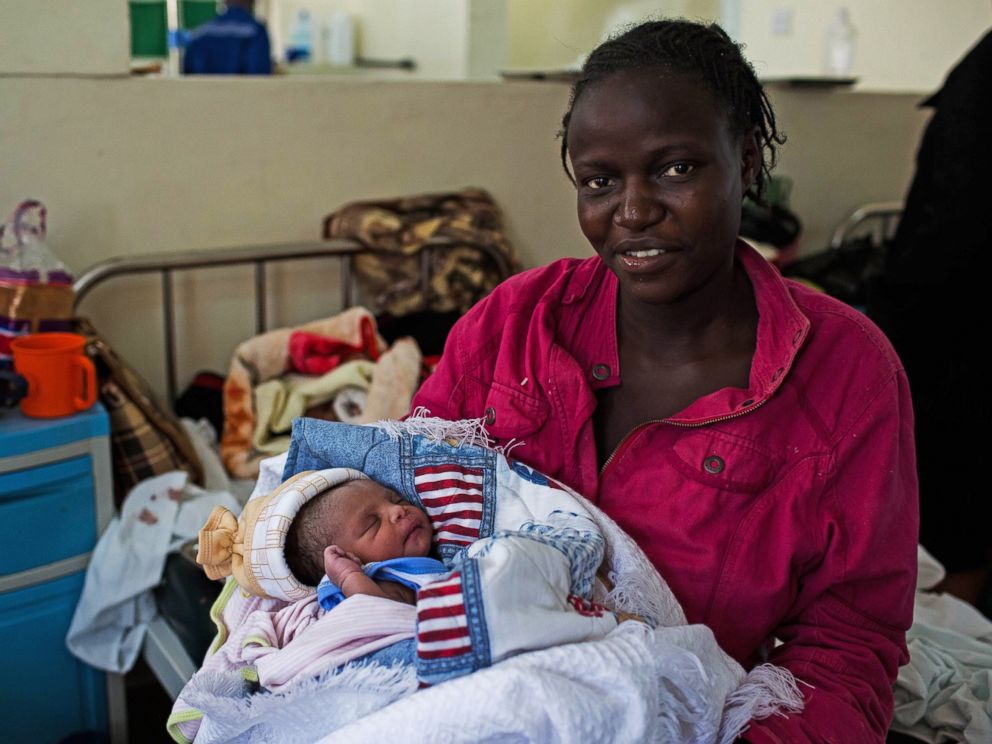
116, 606
943, 694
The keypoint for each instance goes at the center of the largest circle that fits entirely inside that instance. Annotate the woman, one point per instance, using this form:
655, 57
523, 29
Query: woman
753, 436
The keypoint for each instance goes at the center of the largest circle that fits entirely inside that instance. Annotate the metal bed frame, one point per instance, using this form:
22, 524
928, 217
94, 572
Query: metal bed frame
166, 264
163, 649
877, 219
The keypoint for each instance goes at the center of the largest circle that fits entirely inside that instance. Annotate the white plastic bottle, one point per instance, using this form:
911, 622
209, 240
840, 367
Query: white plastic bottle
341, 40
300, 47
840, 45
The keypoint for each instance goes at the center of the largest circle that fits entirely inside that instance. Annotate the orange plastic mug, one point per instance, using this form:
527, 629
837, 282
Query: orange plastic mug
61, 379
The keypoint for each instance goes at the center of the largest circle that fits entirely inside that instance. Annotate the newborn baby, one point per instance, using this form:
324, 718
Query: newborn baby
365, 537
356, 523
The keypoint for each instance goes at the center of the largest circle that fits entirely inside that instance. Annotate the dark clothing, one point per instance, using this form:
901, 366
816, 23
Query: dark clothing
930, 301
233, 43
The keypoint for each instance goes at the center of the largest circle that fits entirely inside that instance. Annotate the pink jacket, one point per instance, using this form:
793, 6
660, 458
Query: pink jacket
785, 511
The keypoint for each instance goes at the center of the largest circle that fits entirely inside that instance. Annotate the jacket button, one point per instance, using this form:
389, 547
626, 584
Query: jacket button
713, 464
490, 415
601, 371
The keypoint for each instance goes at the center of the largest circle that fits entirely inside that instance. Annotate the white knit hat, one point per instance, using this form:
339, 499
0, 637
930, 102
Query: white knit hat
253, 547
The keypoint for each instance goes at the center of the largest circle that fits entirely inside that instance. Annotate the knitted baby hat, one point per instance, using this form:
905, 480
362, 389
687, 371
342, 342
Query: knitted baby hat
252, 546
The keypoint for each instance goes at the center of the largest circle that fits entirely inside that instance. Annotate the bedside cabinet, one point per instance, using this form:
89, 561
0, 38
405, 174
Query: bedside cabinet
56, 497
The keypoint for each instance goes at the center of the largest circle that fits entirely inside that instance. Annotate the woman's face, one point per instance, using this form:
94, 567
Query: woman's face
660, 178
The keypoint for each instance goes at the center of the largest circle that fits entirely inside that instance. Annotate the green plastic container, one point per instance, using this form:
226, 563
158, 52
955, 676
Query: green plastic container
150, 25
149, 28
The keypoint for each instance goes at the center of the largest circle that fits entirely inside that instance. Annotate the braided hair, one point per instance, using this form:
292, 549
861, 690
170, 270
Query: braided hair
703, 51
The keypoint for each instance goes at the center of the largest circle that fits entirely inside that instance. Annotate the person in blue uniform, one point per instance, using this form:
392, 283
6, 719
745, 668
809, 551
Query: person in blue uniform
233, 43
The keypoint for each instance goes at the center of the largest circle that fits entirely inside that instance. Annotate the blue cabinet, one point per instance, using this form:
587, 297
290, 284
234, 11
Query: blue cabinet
56, 496
50, 693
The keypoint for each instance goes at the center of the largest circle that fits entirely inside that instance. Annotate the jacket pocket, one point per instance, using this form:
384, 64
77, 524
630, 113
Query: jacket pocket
509, 413
724, 461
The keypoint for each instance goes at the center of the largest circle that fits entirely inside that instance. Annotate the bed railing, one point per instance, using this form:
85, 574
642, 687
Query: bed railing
166, 264
878, 219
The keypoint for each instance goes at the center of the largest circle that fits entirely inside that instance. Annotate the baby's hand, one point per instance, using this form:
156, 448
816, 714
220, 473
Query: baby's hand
339, 564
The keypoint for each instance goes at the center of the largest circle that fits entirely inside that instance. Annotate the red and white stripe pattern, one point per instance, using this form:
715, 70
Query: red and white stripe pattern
442, 628
452, 496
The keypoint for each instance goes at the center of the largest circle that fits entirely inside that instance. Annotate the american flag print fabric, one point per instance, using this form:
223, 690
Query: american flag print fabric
517, 544
442, 626
452, 633
454, 498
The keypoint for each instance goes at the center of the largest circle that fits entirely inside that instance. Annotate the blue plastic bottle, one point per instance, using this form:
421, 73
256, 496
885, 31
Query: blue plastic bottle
300, 47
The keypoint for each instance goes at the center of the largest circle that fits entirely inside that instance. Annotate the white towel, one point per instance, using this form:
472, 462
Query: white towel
158, 516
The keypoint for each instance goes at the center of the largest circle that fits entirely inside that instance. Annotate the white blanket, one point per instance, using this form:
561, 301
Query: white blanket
157, 517
672, 683
637, 685
945, 692
669, 684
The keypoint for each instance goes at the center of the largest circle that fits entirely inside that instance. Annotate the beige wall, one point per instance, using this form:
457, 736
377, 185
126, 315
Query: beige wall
433, 32
845, 149
129, 166
552, 34
901, 45
544, 35
83, 37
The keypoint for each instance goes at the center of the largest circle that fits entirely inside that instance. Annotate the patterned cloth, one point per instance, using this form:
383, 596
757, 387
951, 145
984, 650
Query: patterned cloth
139, 450
522, 550
279, 401
146, 438
582, 548
397, 230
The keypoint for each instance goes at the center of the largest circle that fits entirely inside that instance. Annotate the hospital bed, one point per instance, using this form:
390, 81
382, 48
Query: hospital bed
171, 649
177, 639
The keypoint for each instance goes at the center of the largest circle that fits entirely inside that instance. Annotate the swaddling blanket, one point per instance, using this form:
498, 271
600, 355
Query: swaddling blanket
626, 683
523, 550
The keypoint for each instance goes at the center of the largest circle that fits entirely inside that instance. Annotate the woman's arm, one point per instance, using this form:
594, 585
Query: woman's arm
846, 636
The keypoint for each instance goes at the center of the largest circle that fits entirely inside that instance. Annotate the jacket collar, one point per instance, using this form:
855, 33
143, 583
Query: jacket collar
588, 320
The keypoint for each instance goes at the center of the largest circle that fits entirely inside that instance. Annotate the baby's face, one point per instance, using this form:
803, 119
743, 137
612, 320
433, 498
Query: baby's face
376, 523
